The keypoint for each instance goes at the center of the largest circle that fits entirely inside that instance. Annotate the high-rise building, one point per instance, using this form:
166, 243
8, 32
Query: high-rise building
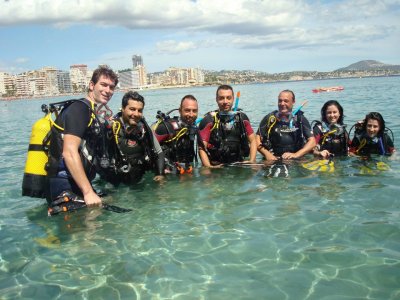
128, 80
137, 61
51, 80
3, 79
37, 82
79, 77
142, 75
22, 85
64, 82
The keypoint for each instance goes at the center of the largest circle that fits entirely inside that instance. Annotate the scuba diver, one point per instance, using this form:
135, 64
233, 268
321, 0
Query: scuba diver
227, 134
133, 149
177, 136
76, 143
330, 133
284, 133
371, 137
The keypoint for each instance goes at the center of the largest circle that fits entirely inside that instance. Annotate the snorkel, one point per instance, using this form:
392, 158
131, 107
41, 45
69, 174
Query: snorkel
294, 112
236, 101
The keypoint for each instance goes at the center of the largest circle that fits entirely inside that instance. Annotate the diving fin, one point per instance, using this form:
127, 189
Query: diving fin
68, 201
382, 166
323, 165
115, 208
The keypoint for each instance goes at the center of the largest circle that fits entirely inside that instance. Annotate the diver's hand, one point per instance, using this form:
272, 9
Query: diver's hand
92, 199
159, 178
216, 166
289, 155
324, 154
247, 162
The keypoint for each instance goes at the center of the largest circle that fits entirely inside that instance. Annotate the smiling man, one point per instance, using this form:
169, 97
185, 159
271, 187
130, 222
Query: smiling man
226, 133
284, 134
177, 136
133, 146
76, 141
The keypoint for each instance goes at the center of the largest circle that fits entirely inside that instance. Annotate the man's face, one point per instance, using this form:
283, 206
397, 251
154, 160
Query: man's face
103, 90
133, 112
188, 111
225, 100
285, 103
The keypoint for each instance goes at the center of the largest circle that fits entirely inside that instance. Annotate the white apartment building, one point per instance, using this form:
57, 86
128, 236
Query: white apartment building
3, 77
51, 81
128, 80
132, 79
64, 82
142, 75
80, 77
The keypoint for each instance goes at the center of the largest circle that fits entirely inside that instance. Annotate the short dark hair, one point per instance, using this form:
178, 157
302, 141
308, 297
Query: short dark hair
191, 97
378, 117
131, 95
106, 72
224, 87
290, 92
325, 107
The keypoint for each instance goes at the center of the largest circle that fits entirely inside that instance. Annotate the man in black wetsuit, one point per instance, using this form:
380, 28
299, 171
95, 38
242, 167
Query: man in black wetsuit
133, 147
76, 141
284, 134
177, 136
227, 134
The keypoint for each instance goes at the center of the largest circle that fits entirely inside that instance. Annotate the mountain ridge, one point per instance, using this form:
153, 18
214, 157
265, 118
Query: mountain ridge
369, 65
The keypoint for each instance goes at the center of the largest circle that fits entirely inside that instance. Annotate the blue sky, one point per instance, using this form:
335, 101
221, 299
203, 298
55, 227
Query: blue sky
270, 36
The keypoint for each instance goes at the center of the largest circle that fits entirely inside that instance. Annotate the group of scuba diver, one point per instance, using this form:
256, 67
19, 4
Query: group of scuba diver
80, 138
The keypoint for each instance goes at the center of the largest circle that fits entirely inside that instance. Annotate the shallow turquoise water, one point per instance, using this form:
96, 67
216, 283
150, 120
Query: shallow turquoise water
233, 233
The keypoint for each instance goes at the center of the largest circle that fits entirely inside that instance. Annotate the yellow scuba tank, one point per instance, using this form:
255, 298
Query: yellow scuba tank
33, 184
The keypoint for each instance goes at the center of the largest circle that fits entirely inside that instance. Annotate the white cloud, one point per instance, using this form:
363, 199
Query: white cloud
175, 47
206, 15
242, 23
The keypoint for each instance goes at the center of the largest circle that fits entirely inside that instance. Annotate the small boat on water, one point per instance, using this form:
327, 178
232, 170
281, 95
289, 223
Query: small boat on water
328, 89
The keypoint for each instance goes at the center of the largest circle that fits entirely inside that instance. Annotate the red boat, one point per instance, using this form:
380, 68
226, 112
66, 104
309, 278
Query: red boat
328, 89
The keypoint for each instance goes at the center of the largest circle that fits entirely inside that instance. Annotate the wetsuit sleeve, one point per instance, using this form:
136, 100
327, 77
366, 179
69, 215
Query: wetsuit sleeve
247, 125
76, 119
157, 147
307, 132
160, 163
205, 127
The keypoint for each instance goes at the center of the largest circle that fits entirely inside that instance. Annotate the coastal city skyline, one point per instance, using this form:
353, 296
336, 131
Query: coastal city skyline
245, 35
51, 81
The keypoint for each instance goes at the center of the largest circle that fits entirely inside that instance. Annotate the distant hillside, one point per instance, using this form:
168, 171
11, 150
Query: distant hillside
369, 65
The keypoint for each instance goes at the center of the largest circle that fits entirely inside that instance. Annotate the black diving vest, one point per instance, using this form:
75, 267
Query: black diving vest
228, 139
334, 139
131, 146
368, 145
283, 136
180, 146
91, 148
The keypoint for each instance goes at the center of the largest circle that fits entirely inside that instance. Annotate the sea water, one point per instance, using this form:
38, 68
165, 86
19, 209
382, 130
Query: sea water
230, 233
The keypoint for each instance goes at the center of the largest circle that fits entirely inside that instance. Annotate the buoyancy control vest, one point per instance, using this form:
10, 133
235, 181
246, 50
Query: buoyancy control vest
280, 136
179, 145
333, 138
38, 165
132, 152
90, 149
362, 144
228, 139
